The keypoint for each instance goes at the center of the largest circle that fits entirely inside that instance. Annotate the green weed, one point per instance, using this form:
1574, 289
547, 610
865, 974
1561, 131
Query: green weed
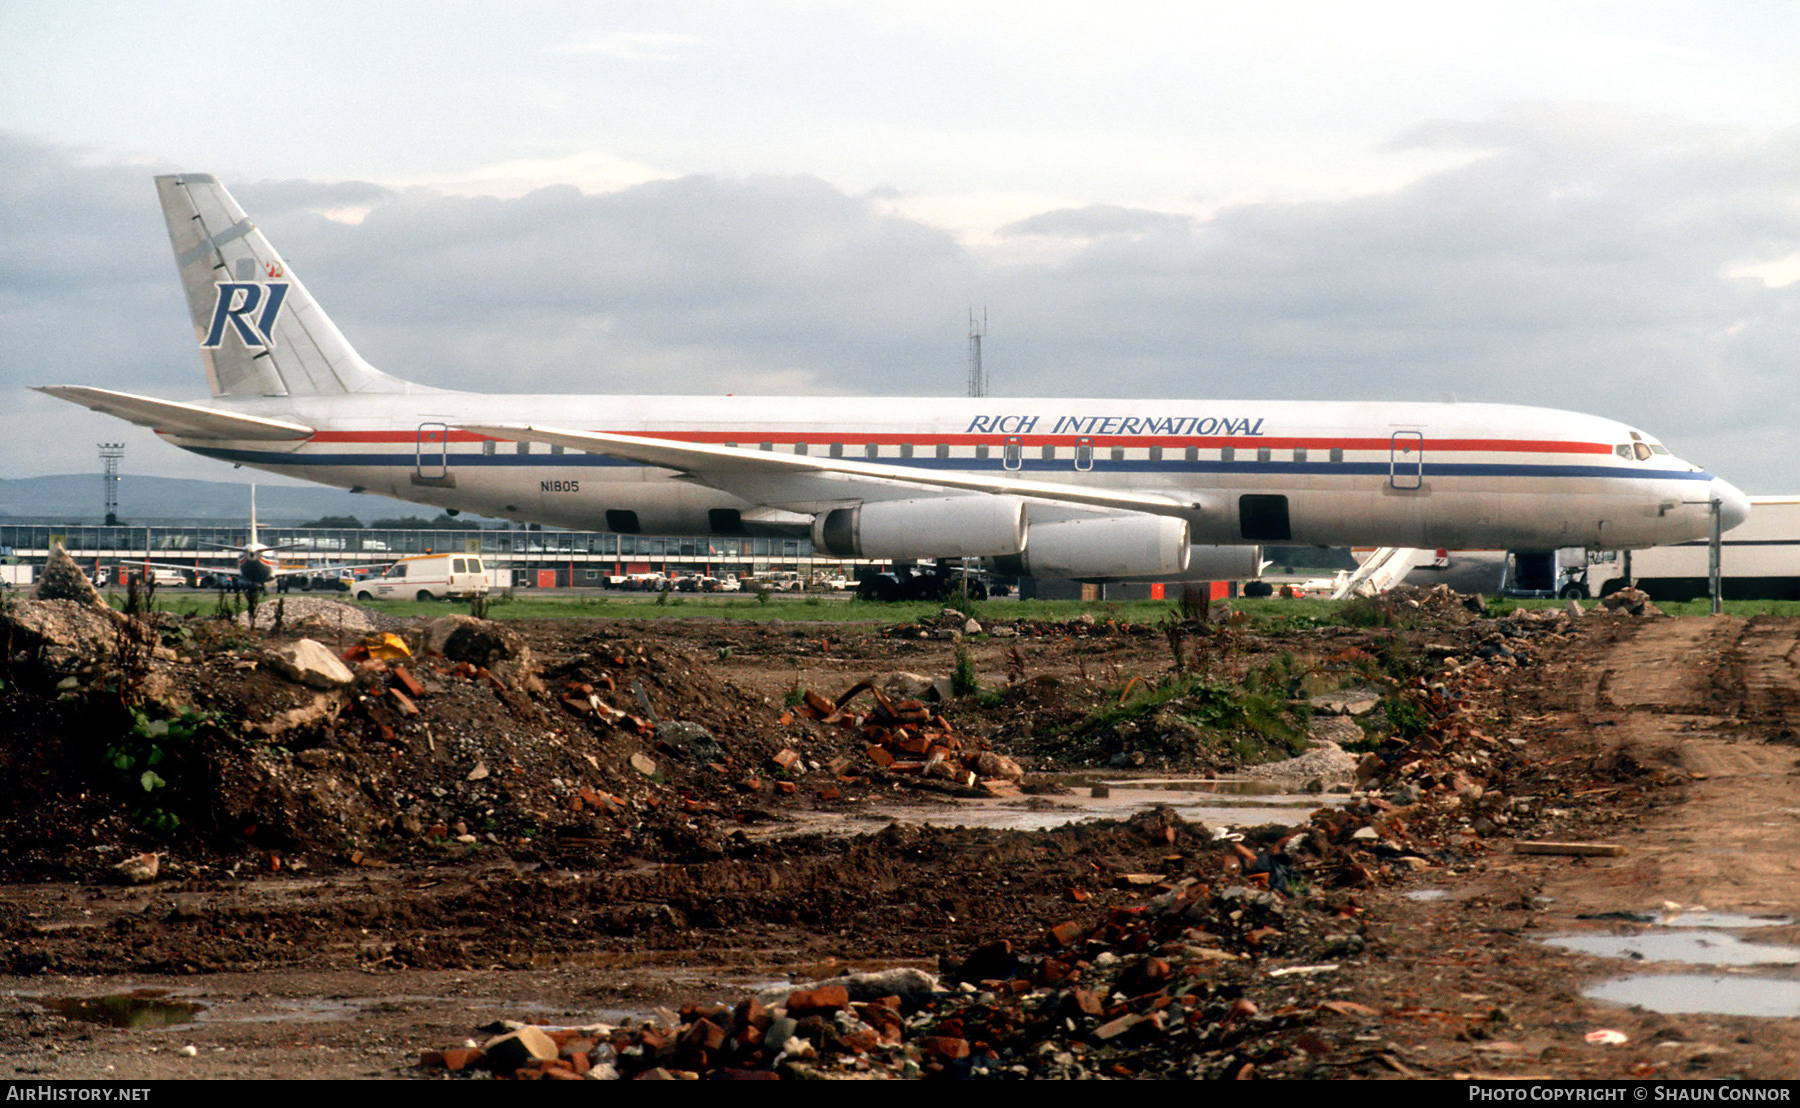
962, 679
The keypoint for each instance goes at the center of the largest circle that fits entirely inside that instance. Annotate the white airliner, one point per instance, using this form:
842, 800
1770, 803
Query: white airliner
1090, 489
258, 564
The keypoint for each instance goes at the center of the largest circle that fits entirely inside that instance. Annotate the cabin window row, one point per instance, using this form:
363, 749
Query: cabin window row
1011, 453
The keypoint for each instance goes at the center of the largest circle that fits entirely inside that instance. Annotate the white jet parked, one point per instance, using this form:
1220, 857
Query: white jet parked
1091, 489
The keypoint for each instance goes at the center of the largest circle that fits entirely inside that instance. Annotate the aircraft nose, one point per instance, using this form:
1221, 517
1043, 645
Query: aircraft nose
1734, 506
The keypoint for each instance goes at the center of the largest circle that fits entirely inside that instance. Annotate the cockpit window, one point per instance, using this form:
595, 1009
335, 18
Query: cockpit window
1623, 450
1643, 452
1658, 448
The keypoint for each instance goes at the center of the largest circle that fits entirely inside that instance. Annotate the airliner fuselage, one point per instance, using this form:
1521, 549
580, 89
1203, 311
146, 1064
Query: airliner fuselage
1325, 473
1096, 489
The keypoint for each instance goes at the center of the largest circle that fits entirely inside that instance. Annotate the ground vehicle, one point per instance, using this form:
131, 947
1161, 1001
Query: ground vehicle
919, 583
17, 573
160, 576
427, 577
780, 580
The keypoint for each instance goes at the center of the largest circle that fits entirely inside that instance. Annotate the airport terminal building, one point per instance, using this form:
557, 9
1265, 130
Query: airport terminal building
523, 558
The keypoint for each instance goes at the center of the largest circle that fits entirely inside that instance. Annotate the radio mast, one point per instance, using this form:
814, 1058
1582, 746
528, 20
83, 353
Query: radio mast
110, 453
977, 377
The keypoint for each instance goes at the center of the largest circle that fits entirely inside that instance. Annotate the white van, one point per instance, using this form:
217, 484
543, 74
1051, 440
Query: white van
427, 577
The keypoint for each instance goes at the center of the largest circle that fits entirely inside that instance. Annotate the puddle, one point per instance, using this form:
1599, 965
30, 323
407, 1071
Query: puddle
1427, 894
1703, 918
1699, 947
144, 1009
1211, 801
1719, 994
1214, 785
1698, 938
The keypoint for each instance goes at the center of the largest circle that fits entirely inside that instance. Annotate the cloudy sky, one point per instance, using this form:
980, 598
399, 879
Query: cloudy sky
1589, 205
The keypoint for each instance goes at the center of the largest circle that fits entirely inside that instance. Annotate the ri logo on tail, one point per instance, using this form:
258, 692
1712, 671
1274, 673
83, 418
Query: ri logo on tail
248, 307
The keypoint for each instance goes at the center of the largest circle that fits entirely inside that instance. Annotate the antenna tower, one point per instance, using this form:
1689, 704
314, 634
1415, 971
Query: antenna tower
977, 376
110, 453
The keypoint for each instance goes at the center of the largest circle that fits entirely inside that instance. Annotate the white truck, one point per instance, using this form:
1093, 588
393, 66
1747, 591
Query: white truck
427, 577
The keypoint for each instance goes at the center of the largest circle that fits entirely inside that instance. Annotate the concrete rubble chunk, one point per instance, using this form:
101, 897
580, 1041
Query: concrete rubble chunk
1346, 702
314, 614
903, 685
691, 739
1633, 602
506, 1053
1326, 761
913, 986
68, 634
990, 764
139, 869
312, 663
484, 643
64, 580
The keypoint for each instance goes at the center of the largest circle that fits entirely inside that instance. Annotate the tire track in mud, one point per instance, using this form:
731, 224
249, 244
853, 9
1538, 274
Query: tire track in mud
1710, 705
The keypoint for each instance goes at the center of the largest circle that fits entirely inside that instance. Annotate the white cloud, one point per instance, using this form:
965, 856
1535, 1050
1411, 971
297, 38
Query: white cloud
1567, 255
591, 171
654, 46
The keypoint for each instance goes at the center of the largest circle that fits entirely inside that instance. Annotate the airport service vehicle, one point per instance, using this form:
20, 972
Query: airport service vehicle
160, 576
427, 577
1099, 490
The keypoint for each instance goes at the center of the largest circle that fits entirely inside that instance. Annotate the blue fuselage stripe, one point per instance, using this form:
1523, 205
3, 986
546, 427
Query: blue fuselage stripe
1035, 467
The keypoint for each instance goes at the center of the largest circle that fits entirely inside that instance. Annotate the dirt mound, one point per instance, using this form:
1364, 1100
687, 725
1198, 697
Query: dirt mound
207, 751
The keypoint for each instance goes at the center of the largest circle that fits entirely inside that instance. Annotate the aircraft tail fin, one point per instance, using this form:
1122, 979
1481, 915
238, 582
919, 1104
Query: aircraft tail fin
261, 333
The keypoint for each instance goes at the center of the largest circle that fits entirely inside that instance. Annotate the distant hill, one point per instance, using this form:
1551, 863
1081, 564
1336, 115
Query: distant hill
80, 498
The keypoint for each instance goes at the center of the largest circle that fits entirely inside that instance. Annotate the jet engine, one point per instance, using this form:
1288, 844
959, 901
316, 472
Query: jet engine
935, 527
1103, 547
1126, 548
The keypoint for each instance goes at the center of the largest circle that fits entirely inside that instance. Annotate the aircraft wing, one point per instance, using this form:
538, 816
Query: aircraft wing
189, 567
301, 571
134, 563
189, 421
729, 467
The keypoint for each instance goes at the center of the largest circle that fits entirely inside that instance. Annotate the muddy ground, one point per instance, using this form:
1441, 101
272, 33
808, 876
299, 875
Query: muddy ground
616, 826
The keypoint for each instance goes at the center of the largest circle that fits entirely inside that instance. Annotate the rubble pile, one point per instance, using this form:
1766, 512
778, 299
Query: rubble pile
910, 739
367, 748
558, 795
317, 615
952, 625
1438, 775
1408, 603
1188, 973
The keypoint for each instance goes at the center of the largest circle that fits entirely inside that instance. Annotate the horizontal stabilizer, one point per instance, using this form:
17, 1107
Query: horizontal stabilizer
721, 466
188, 421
